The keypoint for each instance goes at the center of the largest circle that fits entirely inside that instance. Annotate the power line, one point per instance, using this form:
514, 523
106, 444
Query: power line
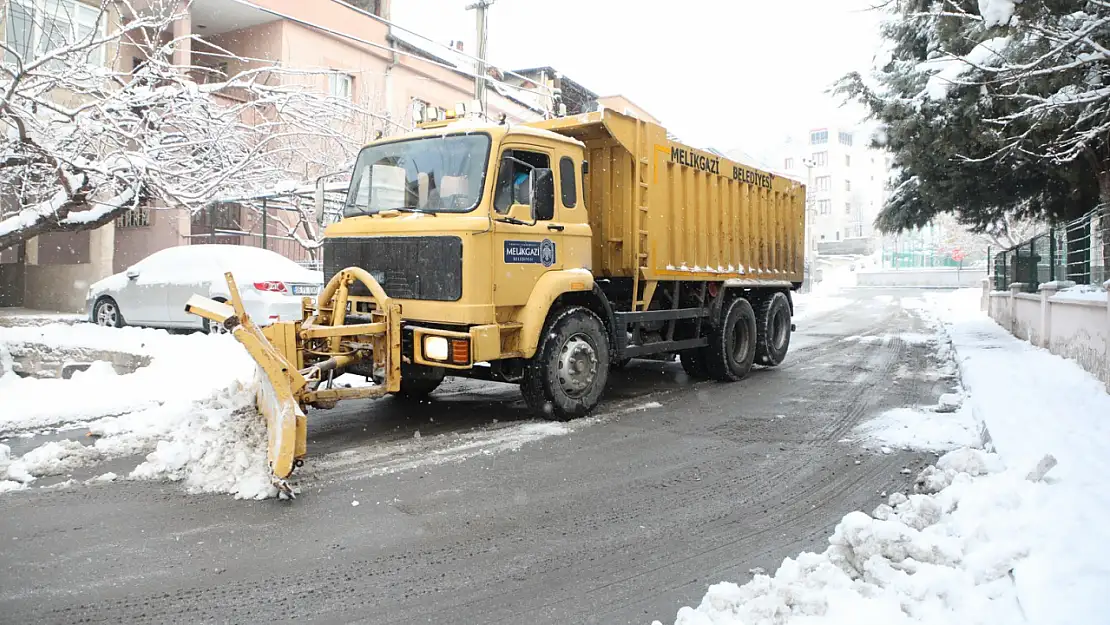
413, 32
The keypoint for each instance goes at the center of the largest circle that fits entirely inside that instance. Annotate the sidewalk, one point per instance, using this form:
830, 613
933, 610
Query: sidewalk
17, 317
1034, 403
986, 538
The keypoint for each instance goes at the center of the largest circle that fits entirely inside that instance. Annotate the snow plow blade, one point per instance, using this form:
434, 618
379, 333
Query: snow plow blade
297, 360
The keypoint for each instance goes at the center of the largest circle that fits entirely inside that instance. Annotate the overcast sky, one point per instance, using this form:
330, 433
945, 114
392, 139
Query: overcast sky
719, 73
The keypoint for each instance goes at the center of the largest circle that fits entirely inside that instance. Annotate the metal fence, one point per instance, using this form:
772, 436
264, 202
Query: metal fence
280, 222
1078, 251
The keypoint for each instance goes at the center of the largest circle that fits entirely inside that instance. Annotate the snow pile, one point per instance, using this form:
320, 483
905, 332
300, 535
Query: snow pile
923, 558
191, 410
936, 429
1081, 293
984, 538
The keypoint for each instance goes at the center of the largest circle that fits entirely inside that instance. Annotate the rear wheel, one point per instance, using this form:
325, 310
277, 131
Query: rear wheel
106, 313
567, 376
772, 330
731, 349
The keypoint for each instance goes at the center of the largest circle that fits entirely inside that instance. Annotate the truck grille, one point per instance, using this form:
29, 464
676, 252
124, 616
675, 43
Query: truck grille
422, 268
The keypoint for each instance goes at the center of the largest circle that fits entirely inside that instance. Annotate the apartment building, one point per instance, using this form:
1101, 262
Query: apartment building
847, 186
386, 70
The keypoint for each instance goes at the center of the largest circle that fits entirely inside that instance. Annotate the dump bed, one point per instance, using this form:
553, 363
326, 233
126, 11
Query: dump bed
683, 214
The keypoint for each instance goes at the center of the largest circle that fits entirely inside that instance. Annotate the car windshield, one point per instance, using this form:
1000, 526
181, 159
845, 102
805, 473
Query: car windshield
434, 174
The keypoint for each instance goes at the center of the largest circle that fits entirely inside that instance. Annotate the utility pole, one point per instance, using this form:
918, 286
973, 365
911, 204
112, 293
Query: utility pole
483, 24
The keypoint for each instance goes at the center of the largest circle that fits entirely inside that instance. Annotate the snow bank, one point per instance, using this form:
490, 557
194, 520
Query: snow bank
191, 410
1080, 293
984, 538
941, 558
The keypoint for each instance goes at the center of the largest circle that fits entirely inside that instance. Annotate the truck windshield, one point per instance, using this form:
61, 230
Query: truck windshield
433, 174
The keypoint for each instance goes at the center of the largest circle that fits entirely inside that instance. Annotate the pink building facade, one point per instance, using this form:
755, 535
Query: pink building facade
378, 67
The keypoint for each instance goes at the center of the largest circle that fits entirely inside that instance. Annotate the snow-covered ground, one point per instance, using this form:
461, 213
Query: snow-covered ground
191, 410
1003, 535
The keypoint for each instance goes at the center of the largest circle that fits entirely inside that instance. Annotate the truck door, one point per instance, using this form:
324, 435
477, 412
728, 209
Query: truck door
523, 251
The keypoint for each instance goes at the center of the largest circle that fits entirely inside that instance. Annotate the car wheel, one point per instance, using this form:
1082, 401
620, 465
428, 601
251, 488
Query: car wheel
106, 313
215, 328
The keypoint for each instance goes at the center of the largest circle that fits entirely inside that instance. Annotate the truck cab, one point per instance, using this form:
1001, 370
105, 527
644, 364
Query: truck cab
473, 230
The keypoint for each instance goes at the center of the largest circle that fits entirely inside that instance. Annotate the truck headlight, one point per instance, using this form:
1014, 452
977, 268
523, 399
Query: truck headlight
435, 348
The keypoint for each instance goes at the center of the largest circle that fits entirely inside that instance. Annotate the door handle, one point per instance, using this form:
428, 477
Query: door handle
556, 227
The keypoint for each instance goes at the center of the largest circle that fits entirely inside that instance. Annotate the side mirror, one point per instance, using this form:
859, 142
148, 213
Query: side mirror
132, 274
543, 195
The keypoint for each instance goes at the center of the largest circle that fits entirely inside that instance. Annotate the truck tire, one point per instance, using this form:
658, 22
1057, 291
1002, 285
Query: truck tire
567, 376
693, 363
772, 330
419, 381
731, 350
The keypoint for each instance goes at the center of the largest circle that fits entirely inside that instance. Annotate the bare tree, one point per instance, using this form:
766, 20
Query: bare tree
86, 140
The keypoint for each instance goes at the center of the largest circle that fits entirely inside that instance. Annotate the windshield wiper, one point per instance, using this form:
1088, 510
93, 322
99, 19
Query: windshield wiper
409, 209
512, 221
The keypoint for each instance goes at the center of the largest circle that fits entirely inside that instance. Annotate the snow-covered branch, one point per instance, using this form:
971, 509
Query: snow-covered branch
86, 139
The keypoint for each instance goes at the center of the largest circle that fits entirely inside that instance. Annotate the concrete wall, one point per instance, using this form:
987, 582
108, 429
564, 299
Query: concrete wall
951, 278
1074, 328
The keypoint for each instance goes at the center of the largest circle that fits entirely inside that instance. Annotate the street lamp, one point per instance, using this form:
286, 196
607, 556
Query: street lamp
811, 215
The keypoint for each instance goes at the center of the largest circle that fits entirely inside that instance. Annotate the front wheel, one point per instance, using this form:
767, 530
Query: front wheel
567, 376
106, 313
419, 381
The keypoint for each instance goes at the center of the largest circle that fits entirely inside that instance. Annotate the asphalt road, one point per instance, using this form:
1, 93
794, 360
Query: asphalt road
487, 516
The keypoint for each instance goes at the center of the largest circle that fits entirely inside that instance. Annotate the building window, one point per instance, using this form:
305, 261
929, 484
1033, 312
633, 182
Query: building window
823, 183
341, 86
567, 176
848, 208
846, 138
824, 207
820, 159
212, 72
138, 217
789, 163
819, 137
847, 160
847, 185
35, 27
860, 230
219, 217
837, 235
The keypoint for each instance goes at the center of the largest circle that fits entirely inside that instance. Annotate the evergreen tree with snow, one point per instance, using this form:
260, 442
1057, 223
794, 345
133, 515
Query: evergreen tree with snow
995, 110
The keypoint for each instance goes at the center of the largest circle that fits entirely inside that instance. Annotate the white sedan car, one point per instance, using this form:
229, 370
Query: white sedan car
153, 291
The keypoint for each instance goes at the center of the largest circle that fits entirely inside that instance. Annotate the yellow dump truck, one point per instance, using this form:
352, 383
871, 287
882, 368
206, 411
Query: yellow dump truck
541, 255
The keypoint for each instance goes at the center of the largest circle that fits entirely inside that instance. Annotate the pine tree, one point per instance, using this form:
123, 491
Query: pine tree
983, 110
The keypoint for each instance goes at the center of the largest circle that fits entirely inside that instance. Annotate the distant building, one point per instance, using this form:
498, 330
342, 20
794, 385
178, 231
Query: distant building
846, 183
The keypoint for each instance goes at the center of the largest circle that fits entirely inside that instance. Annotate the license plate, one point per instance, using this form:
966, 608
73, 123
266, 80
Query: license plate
303, 289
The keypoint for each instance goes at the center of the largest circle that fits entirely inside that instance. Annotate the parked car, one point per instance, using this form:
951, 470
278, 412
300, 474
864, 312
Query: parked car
153, 291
